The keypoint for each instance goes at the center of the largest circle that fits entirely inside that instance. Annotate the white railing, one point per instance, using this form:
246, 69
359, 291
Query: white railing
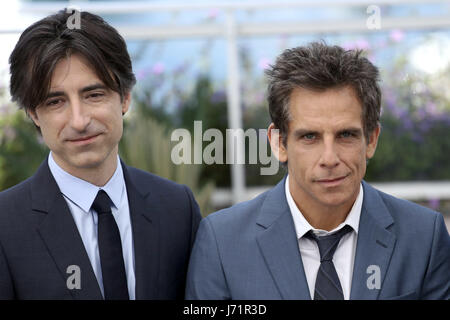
411, 190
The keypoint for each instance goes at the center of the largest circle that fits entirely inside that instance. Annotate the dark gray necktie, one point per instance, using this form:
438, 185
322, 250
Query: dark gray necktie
328, 286
110, 248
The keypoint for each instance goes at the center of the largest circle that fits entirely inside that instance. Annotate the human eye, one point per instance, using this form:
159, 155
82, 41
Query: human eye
349, 134
306, 136
95, 96
56, 102
309, 136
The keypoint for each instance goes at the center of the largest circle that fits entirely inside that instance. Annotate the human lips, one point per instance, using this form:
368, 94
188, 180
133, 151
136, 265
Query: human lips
83, 140
331, 182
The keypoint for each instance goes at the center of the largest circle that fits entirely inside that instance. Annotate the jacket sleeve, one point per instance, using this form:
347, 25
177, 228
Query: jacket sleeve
195, 215
6, 286
436, 283
206, 278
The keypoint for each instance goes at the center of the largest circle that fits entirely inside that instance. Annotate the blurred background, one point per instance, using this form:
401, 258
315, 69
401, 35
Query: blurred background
205, 60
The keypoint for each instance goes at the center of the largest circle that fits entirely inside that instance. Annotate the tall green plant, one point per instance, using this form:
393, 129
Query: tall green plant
146, 145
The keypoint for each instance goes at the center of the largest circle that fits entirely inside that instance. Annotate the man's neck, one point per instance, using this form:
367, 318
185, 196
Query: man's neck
97, 175
320, 216
327, 219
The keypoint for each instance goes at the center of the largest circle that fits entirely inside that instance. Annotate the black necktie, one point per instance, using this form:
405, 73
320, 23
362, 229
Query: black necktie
110, 248
327, 285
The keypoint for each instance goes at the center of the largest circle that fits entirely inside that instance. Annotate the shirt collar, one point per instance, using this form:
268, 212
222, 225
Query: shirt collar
302, 226
83, 193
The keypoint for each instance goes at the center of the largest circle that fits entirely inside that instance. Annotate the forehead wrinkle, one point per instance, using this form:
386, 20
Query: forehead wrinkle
321, 124
318, 111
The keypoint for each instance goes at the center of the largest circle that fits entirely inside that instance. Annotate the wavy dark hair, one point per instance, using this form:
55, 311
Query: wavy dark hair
318, 66
43, 44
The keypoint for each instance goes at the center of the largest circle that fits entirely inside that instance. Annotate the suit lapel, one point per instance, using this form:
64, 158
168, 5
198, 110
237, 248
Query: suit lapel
374, 247
279, 245
60, 234
145, 226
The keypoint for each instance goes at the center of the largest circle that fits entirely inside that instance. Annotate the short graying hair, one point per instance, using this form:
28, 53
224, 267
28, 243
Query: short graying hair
318, 66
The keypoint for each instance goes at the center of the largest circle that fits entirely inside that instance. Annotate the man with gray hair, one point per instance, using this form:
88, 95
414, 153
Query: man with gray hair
323, 232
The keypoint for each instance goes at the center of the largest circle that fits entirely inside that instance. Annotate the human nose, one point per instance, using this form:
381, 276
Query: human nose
329, 157
79, 115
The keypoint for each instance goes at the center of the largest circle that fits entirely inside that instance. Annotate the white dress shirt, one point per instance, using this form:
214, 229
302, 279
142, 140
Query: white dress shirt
344, 256
79, 195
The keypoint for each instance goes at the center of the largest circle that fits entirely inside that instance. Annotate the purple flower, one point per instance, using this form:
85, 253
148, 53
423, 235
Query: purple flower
362, 44
421, 114
264, 63
434, 203
431, 108
443, 117
389, 96
358, 44
158, 68
424, 125
398, 113
143, 73
396, 35
349, 45
406, 122
213, 13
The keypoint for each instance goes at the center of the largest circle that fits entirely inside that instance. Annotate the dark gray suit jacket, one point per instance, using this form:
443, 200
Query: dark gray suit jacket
39, 239
250, 251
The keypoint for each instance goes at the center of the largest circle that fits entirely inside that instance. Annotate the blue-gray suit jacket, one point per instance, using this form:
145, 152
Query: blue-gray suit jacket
250, 251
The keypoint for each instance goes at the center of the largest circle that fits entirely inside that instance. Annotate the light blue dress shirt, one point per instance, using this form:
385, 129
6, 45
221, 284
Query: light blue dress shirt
79, 195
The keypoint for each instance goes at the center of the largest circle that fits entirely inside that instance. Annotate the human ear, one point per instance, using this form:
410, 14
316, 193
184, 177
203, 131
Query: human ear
373, 141
276, 143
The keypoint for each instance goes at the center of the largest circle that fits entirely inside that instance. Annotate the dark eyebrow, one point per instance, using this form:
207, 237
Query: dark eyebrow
301, 132
82, 90
355, 131
55, 94
92, 87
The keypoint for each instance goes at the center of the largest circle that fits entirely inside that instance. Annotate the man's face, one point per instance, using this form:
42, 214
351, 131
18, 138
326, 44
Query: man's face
326, 149
81, 119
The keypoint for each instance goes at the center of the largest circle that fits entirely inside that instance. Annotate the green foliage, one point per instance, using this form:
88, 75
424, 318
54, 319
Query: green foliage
209, 106
413, 143
415, 131
21, 148
146, 145
402, 155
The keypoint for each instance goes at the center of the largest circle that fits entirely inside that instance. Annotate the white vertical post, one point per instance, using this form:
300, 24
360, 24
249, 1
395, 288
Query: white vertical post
234, 108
